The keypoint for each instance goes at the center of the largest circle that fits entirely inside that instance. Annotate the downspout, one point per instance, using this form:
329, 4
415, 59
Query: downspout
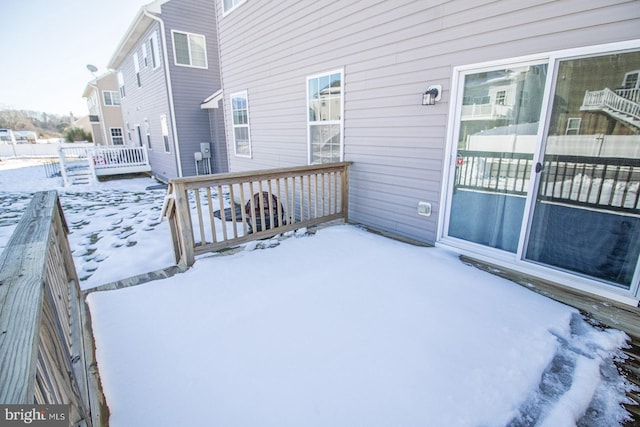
172, 112
103, 125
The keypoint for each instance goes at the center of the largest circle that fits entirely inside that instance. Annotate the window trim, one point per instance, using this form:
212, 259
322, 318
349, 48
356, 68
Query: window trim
326, 122
136, 68
111, 96
155, 52
245, 95
190, 65
164, 127
121, 88
237, 4
111, 136
518, 260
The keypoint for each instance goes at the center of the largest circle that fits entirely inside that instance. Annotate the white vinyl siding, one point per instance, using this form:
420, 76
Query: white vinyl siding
190, 49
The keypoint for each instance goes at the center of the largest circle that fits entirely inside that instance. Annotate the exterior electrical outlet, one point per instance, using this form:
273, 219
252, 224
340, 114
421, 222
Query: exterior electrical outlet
424, 208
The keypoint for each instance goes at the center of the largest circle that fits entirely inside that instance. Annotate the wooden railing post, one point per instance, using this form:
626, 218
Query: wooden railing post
42, 348
184, 225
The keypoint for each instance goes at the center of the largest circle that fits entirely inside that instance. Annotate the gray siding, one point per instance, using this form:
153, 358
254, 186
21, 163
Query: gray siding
390, 52
150, 101
192, 85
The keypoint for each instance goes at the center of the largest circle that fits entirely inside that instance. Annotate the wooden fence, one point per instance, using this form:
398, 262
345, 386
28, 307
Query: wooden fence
42, 351
214, 212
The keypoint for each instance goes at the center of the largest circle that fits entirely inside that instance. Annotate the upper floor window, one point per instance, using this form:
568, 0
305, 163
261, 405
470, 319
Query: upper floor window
240, 121
190, 49
153, 47
229, 5
121, 84
136, 67
111, 97
116, 136
325, 106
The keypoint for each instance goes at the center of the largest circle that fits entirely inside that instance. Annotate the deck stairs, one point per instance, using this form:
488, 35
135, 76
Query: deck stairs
77, 172
621, 104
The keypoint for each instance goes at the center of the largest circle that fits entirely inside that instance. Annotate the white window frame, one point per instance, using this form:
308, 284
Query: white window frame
573, 125
145, 55
339, 122
189, 35
155, 50
517, 260
164, 126
121, 84
112, 136
114, 98
234, 5
147, 131
244, 94
136, 67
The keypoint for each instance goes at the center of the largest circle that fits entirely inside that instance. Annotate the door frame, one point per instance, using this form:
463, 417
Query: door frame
507, 259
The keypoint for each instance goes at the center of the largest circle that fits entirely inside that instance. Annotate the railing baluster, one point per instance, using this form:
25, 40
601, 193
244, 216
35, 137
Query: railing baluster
223, 216
200, 220
233, 211
212, 220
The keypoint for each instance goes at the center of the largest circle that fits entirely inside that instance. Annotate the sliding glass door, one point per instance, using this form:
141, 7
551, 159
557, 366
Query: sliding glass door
496, 138
586, 216
546, 164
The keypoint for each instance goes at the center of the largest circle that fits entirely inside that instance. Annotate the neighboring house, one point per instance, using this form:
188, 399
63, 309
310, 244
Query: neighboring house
511, 164
167, 67
105, 115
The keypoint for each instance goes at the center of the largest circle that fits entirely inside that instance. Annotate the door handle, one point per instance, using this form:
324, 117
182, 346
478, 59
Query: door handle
539, 167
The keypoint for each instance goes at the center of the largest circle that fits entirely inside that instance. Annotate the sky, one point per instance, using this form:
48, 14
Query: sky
47, 45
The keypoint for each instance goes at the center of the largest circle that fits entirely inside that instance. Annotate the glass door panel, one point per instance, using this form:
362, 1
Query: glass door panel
586, 216
499, 121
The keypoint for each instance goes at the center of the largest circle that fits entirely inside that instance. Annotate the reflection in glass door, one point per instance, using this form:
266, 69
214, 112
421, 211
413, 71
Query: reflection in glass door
586, 216
499, 121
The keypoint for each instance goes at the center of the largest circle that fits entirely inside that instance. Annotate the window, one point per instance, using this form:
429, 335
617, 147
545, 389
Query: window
240, 122
542, 177
190, 49
128, 131
165, 132
111, 98
121, 84
147, 132
501, 97
324, 123
145, 58
573, 126
136, 67
229, 5
153, 46
116, 136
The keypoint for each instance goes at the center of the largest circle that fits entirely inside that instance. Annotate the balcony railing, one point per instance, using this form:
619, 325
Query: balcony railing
606, 183
214, 212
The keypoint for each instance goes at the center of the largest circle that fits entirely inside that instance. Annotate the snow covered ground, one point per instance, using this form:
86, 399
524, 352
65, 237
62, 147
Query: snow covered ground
341, 328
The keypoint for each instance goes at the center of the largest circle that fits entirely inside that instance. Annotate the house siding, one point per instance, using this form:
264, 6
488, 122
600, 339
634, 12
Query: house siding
150, 101
193, 85
390, 52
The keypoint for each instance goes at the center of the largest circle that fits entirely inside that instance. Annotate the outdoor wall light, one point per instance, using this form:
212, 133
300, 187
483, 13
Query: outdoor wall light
432, 95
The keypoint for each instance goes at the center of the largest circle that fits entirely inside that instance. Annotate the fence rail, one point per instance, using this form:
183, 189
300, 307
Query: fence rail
608, 183
42, 353
214, 212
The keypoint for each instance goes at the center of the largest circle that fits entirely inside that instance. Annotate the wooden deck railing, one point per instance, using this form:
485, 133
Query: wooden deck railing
42, 354
214, 212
